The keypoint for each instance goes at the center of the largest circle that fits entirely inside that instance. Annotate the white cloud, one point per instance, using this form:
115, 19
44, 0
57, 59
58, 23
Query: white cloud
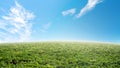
90, 5
16, 26
45, 27
69, 12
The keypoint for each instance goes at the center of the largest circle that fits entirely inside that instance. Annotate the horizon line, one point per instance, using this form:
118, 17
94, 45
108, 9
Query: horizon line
84, 41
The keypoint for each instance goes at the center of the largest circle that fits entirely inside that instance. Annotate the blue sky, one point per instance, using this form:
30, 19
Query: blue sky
46, 20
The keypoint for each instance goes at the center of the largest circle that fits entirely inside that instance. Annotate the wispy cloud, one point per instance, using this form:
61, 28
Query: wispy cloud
16, 26
90, 5
45, 27
69, 12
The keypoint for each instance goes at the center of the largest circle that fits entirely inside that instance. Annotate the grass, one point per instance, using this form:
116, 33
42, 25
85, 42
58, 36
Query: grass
59, 55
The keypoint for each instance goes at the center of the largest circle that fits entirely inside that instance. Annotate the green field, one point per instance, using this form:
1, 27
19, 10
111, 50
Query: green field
59, 55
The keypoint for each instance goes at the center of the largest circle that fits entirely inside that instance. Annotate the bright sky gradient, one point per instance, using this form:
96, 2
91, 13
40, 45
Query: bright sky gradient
46, 20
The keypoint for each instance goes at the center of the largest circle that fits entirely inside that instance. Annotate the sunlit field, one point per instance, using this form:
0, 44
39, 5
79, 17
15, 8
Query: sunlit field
59, 55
